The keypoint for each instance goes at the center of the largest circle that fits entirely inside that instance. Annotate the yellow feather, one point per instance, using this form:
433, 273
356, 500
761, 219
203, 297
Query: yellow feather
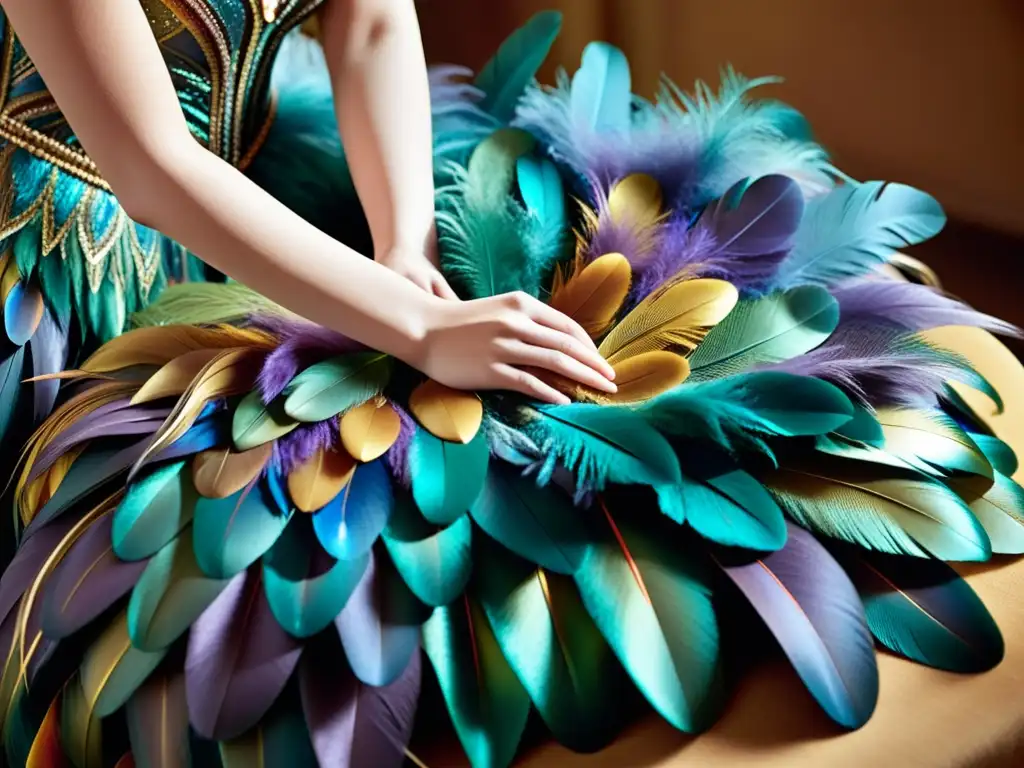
158, 345
636, 200
82, 730
313, 484
367, 432
41, 490
643, 376
222, 472
9, 275
176, 376
447, 413
593, 295
677, 316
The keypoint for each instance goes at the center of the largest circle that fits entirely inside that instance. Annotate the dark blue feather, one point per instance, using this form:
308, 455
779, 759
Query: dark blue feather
350, 523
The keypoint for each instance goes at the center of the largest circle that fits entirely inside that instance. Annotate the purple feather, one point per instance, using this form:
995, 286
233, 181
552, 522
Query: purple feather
28, 562
49, 350
351, 724
809, 604
303, 442
89, 580
379, 626
157, 715
609, 235
909, 307
239, 660
681, 248
397, 457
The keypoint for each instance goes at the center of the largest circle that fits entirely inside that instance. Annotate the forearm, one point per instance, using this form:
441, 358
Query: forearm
382, 97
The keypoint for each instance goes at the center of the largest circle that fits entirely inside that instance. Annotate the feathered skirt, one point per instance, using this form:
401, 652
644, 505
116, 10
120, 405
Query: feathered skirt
246, 538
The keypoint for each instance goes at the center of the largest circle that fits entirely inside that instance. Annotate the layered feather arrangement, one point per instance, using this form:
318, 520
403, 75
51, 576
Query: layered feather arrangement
240, 533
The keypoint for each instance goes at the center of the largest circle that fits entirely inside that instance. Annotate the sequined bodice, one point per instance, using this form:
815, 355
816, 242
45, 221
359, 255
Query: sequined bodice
219, 54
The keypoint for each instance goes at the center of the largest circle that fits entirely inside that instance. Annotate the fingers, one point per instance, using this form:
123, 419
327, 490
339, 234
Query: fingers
546, 355
518, 380
552, 318
440, 288
559, 341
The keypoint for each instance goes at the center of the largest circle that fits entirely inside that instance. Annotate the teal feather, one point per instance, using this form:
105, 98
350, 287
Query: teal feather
155, 508
601, 445
122, 678
863, 427
855, 228
999, 506
741, 410
505, 77
485, 699
651, 599
554, 648
170, 594
436, 564
306, 590
546, 241
254, 423
601, 98
327, 389
770, 329
446, 477
538, 523
999, 454
10, 387
281, 740
231, 534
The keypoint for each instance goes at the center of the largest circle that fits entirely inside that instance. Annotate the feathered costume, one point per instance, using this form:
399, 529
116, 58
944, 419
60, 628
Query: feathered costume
240, 529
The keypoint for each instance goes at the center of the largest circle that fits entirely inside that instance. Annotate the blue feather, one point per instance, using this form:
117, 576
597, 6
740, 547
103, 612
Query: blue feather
22, 311
349, 525
601, 97
855, 228
49, 351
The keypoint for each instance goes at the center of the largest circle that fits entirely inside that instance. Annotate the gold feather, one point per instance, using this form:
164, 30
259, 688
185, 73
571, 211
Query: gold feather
643, 376
175, 377
636, 200
41, 490
367, 432
447, 413
313, 484
158, 345
9, 276
46, 751
592, 295
222, 472
679, 315
82, 730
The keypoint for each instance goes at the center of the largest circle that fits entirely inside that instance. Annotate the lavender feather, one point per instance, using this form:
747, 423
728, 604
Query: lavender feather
49, 350
302, 443
28, 562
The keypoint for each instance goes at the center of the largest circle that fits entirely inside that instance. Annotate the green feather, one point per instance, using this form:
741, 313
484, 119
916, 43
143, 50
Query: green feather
742, 408
304, 599
171, 594
546, 235
896, 512
436, 564
505, 77
492, 168
863, 428
651, 600
925, 611
932, 438
446, 477
999, 454
10, 386
205, 304
485, 699
536, 522
254, 423
154, 510
554, 648
770, 329
81, 729
999, 506
281, 740
114, 667
327, 389
601, 444
231, 534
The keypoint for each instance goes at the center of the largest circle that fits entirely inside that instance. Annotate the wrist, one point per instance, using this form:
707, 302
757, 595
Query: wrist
416, 323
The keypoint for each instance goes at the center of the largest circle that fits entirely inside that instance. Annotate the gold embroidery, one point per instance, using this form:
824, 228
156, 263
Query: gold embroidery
261, 137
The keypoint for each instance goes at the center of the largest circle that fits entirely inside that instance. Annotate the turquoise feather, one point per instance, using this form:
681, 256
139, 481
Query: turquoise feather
436, 564
999, 506
505, 77
651, 599
446, 477
770, 329
601, 445
10, 387
999, 454
546, 241
487, 703
306, 595
327, 389
170, 595
231, 534
856, 227
863, 428
154, 510
538, 523
554, 648
601, 98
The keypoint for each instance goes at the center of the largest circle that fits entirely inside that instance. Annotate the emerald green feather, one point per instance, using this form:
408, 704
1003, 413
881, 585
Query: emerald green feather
307, 592
536, 522
155, 508
446, 477
254, 423
651, 599
487, 703
170, 594
999, 506
231, 534
554, 648
769, 329
327, 389
436, 564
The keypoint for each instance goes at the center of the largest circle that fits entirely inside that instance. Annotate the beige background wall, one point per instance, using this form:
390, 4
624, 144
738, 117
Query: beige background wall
929, 92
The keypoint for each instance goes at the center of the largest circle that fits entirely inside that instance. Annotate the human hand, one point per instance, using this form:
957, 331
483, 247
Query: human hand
509, 342
419, 268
